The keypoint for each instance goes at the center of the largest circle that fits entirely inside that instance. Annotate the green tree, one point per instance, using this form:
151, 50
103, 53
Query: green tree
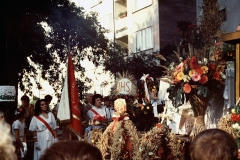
135, 63
23, 41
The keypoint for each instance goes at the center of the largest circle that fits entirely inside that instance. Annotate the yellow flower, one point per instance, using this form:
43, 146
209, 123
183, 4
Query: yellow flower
191, 72
180, 76
233, 111
148, 107
205, 69
142, 107
179, 141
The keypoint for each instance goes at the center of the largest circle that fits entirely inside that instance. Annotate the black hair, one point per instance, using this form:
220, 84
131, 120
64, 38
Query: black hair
25, 98
48, 98
37, 110
95, 96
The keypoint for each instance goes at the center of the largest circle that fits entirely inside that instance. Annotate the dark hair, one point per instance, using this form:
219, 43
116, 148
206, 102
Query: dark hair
95, 96
48, 98
21, 111
37, 110
72, 150
25, 98
214, 144
107, 98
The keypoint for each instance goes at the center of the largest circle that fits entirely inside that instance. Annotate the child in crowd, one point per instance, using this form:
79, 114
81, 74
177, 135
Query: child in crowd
18, 132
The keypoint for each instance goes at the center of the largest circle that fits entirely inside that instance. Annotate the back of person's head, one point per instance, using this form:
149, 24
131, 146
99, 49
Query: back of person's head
7, 150
95, 96
20, 112
25, 98
72, 150
48, 98
214, 144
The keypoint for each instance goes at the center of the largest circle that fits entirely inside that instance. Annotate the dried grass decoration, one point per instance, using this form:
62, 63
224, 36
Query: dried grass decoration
120, 139
160, 143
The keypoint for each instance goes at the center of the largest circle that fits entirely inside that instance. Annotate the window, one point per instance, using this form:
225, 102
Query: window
139, 4
95, 2
143, 39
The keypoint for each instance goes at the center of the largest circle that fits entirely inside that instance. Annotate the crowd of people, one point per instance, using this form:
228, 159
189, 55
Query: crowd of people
38, 123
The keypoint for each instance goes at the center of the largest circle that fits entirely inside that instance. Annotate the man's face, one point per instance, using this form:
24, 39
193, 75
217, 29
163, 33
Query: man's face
98, 102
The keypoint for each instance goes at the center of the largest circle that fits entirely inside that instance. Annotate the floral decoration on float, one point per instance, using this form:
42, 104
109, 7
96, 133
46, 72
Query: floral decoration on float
120, 139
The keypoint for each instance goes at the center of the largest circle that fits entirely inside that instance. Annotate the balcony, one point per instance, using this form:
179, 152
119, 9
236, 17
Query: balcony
121, 28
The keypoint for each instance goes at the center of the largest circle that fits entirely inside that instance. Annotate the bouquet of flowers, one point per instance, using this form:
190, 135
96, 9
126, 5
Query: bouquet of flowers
195, 77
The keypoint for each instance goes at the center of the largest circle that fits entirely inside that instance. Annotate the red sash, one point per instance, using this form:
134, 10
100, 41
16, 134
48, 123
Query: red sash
95, 112
46, 124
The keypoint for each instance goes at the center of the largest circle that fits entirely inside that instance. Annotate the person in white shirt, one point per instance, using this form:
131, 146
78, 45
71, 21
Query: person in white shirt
108, 107
98, 108
18, 132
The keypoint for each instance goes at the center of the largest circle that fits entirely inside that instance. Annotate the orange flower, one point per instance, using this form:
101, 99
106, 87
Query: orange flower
187, 88
216, 75
180, 76
175, 81
203, 79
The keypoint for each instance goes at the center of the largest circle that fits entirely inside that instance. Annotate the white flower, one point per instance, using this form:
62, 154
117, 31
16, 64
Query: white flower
233, 110
205, 61
150, 153
235, 125
140, 149
186, 78
223, 75
97, 122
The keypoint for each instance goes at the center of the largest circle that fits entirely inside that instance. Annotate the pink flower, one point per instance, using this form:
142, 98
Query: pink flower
196, 77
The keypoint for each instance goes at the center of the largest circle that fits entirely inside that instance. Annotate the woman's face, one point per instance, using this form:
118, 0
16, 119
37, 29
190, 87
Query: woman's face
98, 102
43, 106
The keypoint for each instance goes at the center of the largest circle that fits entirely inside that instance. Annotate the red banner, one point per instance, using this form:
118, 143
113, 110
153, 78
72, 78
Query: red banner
75, 124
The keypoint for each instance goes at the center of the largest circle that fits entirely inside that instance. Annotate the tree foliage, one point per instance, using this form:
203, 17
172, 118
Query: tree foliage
137, 64
24, 41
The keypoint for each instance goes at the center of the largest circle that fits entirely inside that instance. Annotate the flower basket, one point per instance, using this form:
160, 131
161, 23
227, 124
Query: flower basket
199, 105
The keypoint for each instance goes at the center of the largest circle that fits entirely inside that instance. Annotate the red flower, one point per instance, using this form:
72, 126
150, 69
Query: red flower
194, 63
216, 75
158, 125
203, 79
211, 66
187, 88
199, 71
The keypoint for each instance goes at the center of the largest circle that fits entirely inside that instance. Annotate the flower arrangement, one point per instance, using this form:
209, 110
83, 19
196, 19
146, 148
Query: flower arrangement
122, 14
193, 76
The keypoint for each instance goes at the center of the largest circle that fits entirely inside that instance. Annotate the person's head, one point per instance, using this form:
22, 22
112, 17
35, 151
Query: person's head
2, 118
6, 146
40, 107
89, 98
20, 113
79, 150
25, 100
106, 101
48, 99
55, 111
214, 144
97, 100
